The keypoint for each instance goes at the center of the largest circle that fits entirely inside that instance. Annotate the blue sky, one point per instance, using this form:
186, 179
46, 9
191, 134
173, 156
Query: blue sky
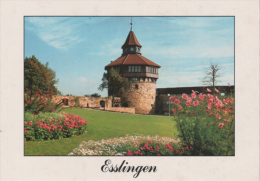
78, 48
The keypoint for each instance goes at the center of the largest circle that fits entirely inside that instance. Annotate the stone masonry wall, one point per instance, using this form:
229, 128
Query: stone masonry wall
143, 98
130, 110
85, 101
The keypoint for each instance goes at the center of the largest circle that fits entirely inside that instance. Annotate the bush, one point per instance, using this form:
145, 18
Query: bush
53, 126
158, 149
38, 102
205, 123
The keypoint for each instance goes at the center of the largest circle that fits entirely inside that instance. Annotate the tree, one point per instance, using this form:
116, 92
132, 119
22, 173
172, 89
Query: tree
39, 77
115, 83
95, 95
212, 76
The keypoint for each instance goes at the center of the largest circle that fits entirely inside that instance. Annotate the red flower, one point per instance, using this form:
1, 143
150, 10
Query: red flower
140, 154
136, 152
52, 109
184, 96
196, 103
174, 111
217, 90
28, 102
158, 154
208, 90
180, 108
218, 116
188, 103
192, 113
151, 142
40, 91
193, 95
177, 101
146, 144
172, 97
201, 97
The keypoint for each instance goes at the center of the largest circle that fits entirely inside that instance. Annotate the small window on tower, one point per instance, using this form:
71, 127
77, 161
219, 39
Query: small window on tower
129, 68
136, 86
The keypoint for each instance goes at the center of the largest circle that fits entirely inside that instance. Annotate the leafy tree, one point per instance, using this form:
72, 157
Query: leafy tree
115, 83
39, 77
95, 95
87, 95
212, 76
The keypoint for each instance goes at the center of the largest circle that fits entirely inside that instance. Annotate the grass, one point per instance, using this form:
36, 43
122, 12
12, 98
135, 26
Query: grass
104, 125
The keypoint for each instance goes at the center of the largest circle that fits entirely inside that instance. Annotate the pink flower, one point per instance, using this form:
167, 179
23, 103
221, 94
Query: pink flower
140, 154
137, 143
209, 106
208, 90
180, 108
172, 97
151, 142
177, 101
146, 144
193, 95
129, 153
174, 111
188, 103
221, 125
201, 97
184, 96
217, 90
196, 103
218, 116
158, 154
228, 85
226, 120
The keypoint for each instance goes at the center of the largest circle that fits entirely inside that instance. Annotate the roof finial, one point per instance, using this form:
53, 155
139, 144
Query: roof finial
131, 23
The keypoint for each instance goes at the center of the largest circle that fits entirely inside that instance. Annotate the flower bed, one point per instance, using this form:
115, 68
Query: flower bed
123, 145
64, 126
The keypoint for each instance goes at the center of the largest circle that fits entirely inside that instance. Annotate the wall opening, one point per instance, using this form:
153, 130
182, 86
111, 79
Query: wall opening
125, 104
65, 101
102, 103
136, 86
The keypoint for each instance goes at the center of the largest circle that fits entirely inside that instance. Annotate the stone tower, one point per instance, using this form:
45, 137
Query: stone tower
142, 74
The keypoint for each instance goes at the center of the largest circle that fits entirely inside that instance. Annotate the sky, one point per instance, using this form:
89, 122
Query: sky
79, 48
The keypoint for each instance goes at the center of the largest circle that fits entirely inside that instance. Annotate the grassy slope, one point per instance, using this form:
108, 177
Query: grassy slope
104, 125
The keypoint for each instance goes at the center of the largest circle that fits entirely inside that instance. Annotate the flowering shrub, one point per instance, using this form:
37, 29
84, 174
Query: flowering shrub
38, 102
45, 129
206, 122
158, 149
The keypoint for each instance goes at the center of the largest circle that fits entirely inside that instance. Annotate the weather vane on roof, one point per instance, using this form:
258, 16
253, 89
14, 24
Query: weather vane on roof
131, 23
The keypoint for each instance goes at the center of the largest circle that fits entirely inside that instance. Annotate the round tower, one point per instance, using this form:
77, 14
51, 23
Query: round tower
142, 74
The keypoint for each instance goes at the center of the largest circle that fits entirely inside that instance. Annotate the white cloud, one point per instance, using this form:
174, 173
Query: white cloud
58, 32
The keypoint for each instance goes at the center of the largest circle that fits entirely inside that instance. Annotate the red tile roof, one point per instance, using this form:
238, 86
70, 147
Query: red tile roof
131, 40
132, 59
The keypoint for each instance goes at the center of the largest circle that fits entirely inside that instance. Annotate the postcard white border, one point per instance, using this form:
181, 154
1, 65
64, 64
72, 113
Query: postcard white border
243, 166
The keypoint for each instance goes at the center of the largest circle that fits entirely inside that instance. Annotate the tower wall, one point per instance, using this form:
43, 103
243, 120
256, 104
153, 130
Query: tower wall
143, 98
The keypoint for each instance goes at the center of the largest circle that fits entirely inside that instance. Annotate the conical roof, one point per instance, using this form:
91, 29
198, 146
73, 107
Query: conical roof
131, 40
132, 59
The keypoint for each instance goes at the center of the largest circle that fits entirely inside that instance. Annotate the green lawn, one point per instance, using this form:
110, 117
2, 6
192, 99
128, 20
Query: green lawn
104, 125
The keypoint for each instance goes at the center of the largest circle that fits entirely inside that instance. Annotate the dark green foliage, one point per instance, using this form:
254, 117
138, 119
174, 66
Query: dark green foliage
95, 95
115, 83
39, 77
